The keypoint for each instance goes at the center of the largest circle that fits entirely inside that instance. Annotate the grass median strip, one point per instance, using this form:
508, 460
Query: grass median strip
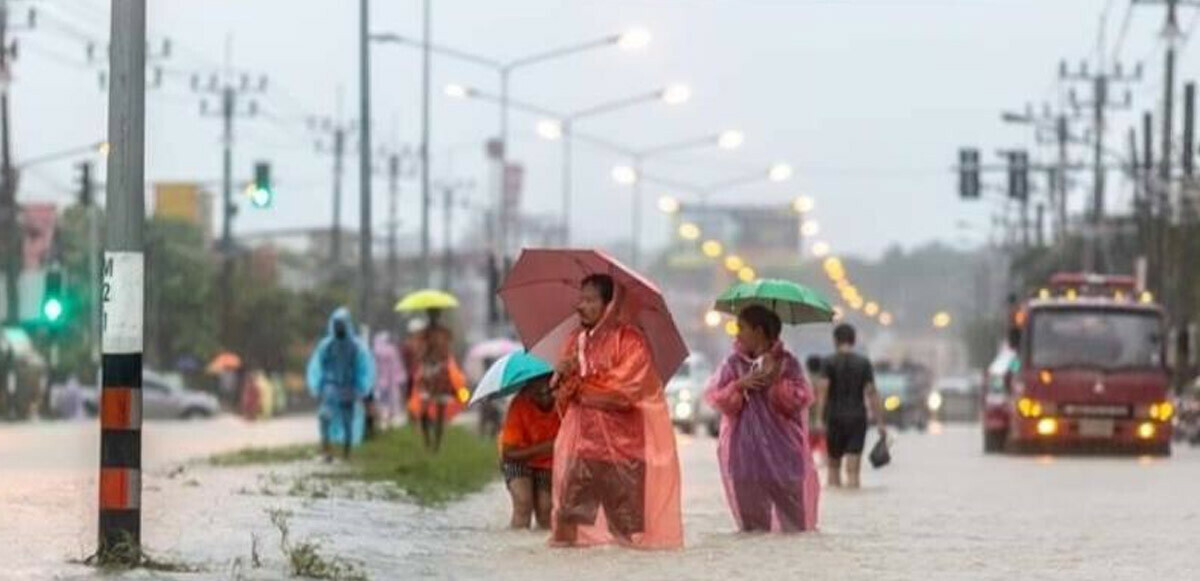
465, 464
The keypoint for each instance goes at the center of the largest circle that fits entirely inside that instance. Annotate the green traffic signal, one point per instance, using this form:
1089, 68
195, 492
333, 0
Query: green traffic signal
262, 194
52, 310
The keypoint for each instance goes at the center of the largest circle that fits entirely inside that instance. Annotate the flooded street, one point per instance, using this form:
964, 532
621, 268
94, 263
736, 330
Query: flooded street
942, 511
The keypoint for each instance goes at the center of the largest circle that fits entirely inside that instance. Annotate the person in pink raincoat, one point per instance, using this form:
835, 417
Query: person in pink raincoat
766, 459
390, 377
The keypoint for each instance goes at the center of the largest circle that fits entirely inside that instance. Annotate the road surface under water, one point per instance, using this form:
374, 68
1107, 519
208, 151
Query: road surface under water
943, 510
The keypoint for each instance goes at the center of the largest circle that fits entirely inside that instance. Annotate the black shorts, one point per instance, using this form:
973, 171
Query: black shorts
618, 486
514, 470
845, 436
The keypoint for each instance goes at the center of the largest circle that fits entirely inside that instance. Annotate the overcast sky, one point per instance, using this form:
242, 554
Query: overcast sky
868, 99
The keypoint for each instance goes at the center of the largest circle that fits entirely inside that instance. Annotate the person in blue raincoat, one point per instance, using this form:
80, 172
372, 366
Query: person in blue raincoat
341, 374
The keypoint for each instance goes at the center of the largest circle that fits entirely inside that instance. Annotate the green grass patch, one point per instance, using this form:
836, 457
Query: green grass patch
465, 464
254, 456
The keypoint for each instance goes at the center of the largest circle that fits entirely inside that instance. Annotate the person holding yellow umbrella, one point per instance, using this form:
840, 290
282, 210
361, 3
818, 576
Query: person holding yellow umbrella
439, 385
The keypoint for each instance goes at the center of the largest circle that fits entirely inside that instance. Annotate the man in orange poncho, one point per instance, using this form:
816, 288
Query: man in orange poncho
616, 472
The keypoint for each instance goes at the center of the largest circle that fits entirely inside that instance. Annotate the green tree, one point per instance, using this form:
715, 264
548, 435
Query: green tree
180, 306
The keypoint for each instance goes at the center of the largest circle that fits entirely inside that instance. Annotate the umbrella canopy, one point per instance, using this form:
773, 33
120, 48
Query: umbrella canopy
424, 300
508, 374
794, 303
477, 360
223, 362
542, 291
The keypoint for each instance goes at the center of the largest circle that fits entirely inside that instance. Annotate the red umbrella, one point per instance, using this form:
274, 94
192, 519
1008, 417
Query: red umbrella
542, 291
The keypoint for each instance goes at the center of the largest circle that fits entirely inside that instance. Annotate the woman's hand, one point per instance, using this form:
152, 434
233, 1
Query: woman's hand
566, 366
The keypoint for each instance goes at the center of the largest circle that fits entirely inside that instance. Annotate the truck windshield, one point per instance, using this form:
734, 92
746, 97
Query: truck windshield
1096, 338
891, 383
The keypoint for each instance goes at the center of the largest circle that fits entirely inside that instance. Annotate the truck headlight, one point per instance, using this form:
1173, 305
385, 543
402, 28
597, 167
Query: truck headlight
683, 409
1047, 427
1162, 411
1029, 408
1146, 430
685, 395
892, 403
935, 401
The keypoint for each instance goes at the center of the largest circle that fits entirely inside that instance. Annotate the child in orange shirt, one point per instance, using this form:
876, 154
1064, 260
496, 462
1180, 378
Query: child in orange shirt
527, 452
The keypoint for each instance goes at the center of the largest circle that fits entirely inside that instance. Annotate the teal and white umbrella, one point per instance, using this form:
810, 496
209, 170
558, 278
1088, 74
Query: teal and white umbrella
507, 375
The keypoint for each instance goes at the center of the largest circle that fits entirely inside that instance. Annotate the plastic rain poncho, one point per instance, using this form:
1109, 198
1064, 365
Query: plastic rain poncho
766, 460
340, 374
390, 376
616, 472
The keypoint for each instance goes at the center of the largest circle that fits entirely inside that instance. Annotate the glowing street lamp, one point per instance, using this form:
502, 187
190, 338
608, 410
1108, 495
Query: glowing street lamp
624, 175
689, 231
550, 129
712, 318
885, 319
712, 249
634, 39
871, 308
668, 205
676, 94
942, 320
810, 228
734, 263
731, 139
457, 91
820, 249
747, 274
780, 172
731, 328
803, 204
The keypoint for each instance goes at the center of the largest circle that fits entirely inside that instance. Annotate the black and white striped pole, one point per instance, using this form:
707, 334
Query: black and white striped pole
122, 290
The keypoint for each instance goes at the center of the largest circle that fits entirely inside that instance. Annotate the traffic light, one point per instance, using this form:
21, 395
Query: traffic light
263, 193
53, 307
1018, 175
968, 173
85, 183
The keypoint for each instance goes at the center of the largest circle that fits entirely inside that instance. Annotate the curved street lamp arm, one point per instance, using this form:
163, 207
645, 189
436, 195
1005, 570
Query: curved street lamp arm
438, 49
616, 105
562, 52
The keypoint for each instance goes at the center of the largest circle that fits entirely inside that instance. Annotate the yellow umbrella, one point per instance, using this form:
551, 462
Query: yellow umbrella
424, 300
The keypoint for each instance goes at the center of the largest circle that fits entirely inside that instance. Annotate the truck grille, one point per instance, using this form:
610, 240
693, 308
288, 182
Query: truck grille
1097, 410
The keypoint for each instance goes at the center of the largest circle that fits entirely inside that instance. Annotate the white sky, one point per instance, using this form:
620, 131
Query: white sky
869, 100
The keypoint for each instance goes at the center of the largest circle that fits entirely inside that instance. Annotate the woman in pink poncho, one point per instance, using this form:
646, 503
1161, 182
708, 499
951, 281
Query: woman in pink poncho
766, 461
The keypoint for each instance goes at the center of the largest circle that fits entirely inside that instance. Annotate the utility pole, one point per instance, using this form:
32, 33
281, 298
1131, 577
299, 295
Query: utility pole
426, 63
449, 191
10, 229
124, 285
366, 243
401, 166
1100, 104
228, 89
338, 132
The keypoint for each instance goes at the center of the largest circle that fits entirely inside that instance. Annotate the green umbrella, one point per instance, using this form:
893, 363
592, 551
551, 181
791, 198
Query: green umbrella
794, 303
509, 374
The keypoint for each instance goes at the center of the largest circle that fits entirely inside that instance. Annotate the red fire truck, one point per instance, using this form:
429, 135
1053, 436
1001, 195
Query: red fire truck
1087, 371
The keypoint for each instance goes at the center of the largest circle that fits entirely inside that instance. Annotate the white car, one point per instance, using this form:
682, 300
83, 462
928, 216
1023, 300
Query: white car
163, 397
685, 397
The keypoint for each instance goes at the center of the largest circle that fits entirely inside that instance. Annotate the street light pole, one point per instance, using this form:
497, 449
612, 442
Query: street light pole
366, 284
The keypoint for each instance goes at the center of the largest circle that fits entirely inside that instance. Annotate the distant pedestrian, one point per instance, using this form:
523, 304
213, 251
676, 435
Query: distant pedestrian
770, 478
390, 377
340, 375
527, 452
845, 389
438, 382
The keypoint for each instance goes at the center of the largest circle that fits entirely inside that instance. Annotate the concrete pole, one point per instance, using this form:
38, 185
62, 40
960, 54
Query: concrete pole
366, 282
123, 283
